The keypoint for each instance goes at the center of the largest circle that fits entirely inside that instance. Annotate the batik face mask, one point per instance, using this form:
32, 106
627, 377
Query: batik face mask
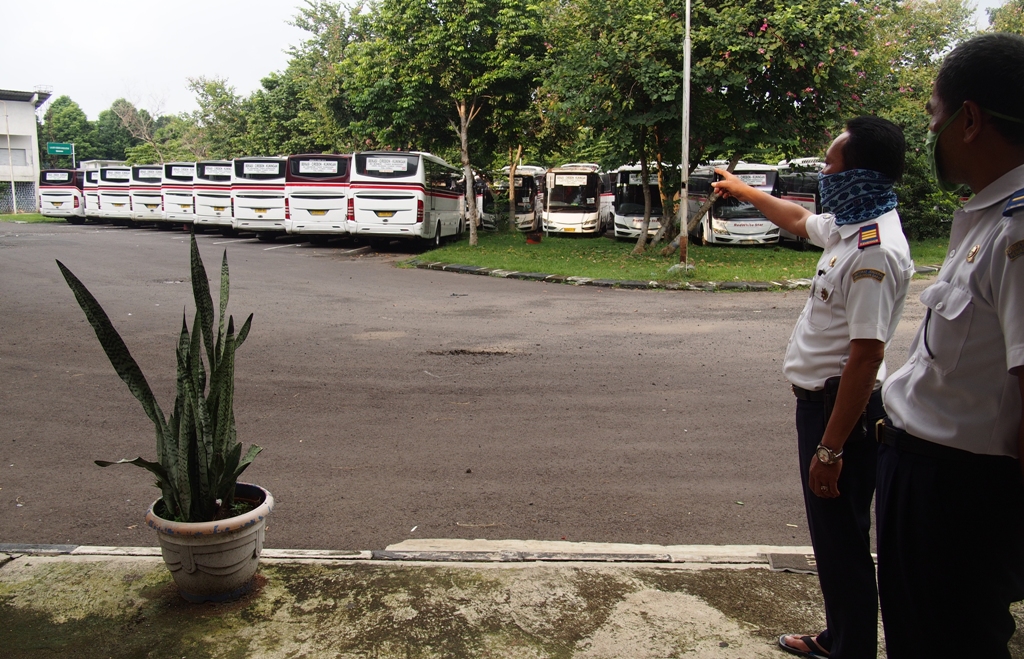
856, 195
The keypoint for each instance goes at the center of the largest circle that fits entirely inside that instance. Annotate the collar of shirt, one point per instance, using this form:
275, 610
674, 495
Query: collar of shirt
848, 230
997, 190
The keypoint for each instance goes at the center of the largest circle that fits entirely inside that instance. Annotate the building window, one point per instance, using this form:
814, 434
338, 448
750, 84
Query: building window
17, 157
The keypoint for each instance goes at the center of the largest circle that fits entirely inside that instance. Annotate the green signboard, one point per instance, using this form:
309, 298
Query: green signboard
59, 148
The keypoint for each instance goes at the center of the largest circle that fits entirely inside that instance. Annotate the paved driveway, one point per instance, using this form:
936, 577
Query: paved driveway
399, 403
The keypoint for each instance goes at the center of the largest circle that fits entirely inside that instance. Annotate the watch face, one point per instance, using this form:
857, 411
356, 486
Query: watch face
825, 455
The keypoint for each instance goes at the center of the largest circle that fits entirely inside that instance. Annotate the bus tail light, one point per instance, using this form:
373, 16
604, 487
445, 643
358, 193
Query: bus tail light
287, 209
350, 210
76, 202
419, 210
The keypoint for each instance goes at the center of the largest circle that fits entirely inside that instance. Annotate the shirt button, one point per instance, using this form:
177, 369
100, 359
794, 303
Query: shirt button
939, 306
952, 252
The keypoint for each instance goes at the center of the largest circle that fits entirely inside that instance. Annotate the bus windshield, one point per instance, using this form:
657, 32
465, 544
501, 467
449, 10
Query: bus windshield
734, 209
629, 196
573, 193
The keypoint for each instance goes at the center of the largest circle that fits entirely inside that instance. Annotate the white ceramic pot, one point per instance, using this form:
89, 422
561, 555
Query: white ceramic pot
215, 561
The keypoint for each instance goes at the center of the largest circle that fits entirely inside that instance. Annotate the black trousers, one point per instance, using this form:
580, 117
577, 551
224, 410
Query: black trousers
950, 553
840, 533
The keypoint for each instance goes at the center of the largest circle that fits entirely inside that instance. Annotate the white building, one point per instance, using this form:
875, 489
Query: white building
19, 148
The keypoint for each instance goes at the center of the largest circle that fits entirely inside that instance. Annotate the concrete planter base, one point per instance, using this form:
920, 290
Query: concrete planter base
215, 561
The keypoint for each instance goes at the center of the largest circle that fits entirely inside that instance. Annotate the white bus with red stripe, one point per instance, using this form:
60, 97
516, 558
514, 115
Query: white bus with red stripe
575, 200
61, 194
212, 191
257, 190
731, 221
800, 185
176, 192
147, 204
316, 195
90, 188
628, 201
114, 201
405, 195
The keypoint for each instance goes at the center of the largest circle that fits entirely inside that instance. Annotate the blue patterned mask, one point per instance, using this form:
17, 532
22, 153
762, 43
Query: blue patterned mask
856, 195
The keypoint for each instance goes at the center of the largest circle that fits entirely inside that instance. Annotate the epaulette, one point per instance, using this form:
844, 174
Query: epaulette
1015, 204
869, 236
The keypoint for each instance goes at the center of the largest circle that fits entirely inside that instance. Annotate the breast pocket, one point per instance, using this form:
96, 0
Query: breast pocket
950, 309
822, 298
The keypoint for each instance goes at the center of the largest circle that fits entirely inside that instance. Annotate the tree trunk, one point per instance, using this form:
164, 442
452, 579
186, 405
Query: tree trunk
513, 165
668, 214
467, 112
641, 242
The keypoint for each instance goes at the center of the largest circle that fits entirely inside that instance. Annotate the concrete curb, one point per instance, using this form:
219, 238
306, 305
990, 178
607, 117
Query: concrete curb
629, 284
475, 551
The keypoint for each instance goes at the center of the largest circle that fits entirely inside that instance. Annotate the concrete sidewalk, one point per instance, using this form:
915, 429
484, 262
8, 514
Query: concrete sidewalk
424, 598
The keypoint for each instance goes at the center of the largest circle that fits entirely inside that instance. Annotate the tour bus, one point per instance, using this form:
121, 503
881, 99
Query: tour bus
800, 185
114, 201
628, 201
529, 197
405, 195
731, 221
92, 195
176, 192
61, 194
573, 200
147, 204
316, 194
257, 190
212, 190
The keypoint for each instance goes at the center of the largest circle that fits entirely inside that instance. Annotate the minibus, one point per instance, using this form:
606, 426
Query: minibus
800, 185
61, 194
572, 199
176, 192
529, 197
731, 221
316, 195
92, 195
147, 204
628, 201
405, 195
257, 190
114, 201
212, 190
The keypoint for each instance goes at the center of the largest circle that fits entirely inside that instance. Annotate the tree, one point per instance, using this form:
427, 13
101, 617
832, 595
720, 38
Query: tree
142, 126
64, 121
429, 68
111, 138
1008, 17
221, 119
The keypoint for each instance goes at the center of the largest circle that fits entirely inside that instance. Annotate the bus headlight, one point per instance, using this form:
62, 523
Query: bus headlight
719, 226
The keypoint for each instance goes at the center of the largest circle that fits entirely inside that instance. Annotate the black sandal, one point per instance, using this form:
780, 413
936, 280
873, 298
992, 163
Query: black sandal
817, 652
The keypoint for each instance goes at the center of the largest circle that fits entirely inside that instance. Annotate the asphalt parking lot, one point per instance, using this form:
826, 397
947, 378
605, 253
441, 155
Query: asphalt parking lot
396, 403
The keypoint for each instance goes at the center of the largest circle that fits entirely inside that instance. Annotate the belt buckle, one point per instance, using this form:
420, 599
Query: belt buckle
879, 430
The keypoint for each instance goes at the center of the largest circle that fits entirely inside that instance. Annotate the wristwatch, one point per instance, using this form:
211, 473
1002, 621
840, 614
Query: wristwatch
826, 455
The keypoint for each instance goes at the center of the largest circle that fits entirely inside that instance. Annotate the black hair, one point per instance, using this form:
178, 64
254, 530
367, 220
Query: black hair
875, 144
988, 70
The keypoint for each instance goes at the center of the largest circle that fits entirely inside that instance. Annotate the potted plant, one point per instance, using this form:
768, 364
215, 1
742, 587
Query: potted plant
210, 527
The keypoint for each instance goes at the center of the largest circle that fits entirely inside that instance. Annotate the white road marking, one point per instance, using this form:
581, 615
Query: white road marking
228, 242
267, 249
357, 249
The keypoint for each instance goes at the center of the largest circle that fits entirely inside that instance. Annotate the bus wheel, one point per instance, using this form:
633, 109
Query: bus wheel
228, 232
266, 236
318, 240
76, 220
438, 240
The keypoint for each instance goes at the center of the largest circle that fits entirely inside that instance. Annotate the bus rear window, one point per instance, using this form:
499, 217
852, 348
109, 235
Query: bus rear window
387, 165
322, 168
92, 176
183, 173
54, 178
258, 170
116, 175
219, 172
147, 174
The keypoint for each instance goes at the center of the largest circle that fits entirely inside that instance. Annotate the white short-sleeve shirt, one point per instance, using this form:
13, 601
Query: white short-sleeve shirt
858, 293
956, 388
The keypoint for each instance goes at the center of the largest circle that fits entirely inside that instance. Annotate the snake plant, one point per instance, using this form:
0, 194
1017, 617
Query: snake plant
199, 457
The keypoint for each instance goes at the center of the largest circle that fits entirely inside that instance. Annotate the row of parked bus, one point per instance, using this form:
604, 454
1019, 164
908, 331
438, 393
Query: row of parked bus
386, 195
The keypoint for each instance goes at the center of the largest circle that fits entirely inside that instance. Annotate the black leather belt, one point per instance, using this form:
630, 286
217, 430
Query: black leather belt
903, 441
806, 394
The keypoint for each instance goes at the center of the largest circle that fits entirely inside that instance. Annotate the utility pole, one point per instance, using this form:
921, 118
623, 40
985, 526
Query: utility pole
10, 159
684, 188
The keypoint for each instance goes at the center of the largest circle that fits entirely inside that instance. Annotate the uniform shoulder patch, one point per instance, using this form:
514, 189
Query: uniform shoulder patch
1015, 204
869, 236
1015, 250
868, 273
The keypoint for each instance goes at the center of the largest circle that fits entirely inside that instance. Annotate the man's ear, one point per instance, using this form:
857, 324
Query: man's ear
974, 120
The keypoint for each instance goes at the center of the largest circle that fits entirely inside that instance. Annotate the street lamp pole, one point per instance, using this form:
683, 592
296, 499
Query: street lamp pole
684, 188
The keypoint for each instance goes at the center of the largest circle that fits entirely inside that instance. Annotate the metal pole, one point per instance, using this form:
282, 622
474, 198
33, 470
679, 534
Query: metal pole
73, 166
10, 160
684, 188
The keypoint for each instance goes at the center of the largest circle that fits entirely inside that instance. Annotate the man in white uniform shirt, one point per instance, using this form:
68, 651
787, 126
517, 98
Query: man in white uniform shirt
855, 303
950, 508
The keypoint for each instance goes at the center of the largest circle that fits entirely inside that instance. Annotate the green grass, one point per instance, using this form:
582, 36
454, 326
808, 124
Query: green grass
603, 258
30, 218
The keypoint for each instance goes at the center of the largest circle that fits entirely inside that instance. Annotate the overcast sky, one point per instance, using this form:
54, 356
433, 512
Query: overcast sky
145, 50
